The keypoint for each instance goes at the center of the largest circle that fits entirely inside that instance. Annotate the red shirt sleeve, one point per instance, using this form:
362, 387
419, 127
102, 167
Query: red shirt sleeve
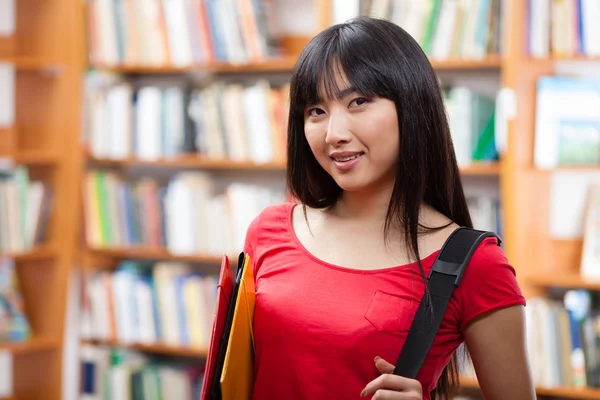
251, 237
253, 234
489, 283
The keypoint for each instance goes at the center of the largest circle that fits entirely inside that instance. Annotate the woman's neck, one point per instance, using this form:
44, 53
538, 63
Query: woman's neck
369, 205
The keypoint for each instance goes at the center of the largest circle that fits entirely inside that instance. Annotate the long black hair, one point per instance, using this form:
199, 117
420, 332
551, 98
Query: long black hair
381, 59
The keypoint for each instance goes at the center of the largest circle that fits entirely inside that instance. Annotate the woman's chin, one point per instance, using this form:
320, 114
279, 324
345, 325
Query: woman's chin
351, 185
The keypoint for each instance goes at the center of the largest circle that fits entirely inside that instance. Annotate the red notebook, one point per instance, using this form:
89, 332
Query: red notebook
224, 294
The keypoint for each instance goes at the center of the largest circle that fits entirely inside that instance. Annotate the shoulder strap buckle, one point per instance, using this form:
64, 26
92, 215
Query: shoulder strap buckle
457, 252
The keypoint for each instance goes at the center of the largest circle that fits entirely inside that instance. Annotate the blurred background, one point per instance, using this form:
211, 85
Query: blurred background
138, 139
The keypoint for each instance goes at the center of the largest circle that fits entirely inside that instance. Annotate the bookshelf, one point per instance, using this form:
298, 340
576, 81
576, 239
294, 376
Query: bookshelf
42, 138
541, 262
154, 349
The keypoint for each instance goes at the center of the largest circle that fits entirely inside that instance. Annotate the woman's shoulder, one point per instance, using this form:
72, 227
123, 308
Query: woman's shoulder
489, 282
271, 222
275, 214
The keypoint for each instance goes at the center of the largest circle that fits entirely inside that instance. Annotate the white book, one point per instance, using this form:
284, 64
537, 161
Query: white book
179, 207
590, 13
7, 18
590, 258
444, 31
7, 93
146, 332
344, 10
108, 32
148, 132
177, 32
460, 110
257, 115
122, 292
119, 100
6, 372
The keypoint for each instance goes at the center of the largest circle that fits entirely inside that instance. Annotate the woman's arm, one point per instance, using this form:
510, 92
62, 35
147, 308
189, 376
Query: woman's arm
497, 345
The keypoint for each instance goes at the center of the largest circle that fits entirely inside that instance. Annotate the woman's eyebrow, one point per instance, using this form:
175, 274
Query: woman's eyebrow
345, 92
339, 94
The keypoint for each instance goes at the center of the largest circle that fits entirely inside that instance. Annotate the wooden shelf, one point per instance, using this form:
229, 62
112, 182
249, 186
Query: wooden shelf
29, 346
491, 169
154, 348
563, 392
565, 58
285, 64
188, 161
564, 281
35, 158
28, 63
194, 161
32, 255
569, 393
490, 62
152, 254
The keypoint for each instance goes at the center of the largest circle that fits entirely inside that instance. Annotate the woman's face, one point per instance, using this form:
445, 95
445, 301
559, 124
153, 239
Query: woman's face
354, 138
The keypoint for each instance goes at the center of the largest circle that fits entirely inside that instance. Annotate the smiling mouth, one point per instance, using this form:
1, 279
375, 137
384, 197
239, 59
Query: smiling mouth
348, 158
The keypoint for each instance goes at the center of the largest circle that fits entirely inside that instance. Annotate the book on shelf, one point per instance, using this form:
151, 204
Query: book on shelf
180, 32
111, 373
7, 93
449, 29
590, 255
223, 121
14, 324
162, 303
25, 207
563, 337
563, 28
8, 18
486, 213
567, 122
471, 117
187, 215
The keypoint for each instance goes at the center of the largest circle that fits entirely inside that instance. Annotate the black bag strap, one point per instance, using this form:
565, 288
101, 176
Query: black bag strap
445, 275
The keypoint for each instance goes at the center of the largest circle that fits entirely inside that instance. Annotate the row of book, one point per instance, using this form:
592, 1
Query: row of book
186, 215
486, 213
25, 207
239, 122
445, 29
563, 28
563, 339
471, 116
14, 324
166, 303
118, 374
179, 32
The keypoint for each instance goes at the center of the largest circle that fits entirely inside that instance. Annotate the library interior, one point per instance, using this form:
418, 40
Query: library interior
125, 184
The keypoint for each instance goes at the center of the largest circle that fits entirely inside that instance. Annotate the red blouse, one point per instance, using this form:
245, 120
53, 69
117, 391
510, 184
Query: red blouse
318, 326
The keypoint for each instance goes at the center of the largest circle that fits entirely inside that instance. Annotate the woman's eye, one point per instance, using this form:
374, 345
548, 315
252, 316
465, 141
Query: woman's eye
315, 112
359, 101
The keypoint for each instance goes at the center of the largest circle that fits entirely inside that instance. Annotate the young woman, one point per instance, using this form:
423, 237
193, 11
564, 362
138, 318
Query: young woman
339, 277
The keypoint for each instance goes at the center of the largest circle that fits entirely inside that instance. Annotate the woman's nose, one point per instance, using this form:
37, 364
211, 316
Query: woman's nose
337, 131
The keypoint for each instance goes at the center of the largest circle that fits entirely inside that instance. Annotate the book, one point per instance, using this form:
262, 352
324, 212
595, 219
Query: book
14, 324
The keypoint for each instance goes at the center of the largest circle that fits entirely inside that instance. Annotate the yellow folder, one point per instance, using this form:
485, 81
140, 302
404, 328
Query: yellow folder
237, 378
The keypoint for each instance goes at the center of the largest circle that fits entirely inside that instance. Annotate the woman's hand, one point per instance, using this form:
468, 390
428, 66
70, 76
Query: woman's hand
389, 386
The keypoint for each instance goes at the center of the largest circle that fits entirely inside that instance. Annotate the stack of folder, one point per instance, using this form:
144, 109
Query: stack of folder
229, 372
